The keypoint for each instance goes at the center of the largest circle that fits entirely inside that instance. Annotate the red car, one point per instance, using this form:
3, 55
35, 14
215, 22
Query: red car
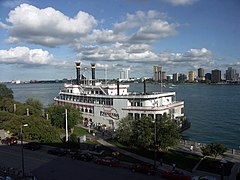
9, 141
175, 175
108, 161
143, 168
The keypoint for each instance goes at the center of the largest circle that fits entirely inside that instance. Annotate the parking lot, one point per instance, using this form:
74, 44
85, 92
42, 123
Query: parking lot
50, 167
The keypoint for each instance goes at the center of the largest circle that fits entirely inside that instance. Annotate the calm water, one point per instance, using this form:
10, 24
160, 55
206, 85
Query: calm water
214, 110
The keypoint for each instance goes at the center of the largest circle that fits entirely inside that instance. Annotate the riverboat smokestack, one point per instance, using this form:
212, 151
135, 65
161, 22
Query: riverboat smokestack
93, 73
118, 87
144, 86
78, 66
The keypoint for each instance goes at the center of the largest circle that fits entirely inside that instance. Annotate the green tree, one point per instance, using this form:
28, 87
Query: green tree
5, 92
219, 150
38, 129
142, 132
57, 115
213, 149
35, 103
124, 131
145, 132
7, 104
167, 133
206, 150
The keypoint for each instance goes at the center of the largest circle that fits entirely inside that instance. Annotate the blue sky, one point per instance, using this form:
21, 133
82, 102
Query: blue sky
42, 39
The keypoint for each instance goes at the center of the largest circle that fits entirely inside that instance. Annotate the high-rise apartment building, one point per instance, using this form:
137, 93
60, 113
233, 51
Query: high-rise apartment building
201, 74
231, 74
124, 74
157, 73
175, 77
208, 77
216, 76
182, 78
164, 76
191, 76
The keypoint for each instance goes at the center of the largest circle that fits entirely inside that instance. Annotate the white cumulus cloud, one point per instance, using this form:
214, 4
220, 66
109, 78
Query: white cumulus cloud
24, 55
47, 26
117, 52
147, 27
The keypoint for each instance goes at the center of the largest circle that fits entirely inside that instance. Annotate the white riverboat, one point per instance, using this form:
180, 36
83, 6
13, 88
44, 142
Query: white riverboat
106, 104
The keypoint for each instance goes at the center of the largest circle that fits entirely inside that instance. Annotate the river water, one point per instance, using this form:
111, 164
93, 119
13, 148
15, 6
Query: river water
213, 110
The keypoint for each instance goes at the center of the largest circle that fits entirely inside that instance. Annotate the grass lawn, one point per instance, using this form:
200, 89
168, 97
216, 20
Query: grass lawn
214, 166
181, 159
80, 131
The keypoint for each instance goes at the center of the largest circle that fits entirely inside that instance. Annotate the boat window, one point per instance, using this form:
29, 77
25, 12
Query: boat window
158, 116
130, 114
151, 115
137, 116
182, 110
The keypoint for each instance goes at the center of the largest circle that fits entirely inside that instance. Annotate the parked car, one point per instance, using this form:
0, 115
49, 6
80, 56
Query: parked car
57, 151
82, 156
108, 161
9, 141
175, 175
32, 146
143, 168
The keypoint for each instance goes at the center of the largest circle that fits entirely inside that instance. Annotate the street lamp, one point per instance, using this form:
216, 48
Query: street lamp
155, 142
223, 162
66, 124
21, 135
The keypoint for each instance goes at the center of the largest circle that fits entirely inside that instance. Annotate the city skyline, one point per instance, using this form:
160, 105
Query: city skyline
42, 40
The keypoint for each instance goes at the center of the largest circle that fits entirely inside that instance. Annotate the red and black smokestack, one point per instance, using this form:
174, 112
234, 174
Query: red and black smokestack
78, 66
93, 73
144, 86
118, 87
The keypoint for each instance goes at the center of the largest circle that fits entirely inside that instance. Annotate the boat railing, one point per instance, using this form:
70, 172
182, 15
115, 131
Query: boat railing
102, 90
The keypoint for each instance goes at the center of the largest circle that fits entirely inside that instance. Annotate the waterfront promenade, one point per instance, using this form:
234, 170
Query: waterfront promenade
184, 146
165, 167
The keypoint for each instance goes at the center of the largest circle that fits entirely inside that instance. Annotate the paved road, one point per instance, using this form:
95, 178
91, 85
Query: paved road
50, 167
